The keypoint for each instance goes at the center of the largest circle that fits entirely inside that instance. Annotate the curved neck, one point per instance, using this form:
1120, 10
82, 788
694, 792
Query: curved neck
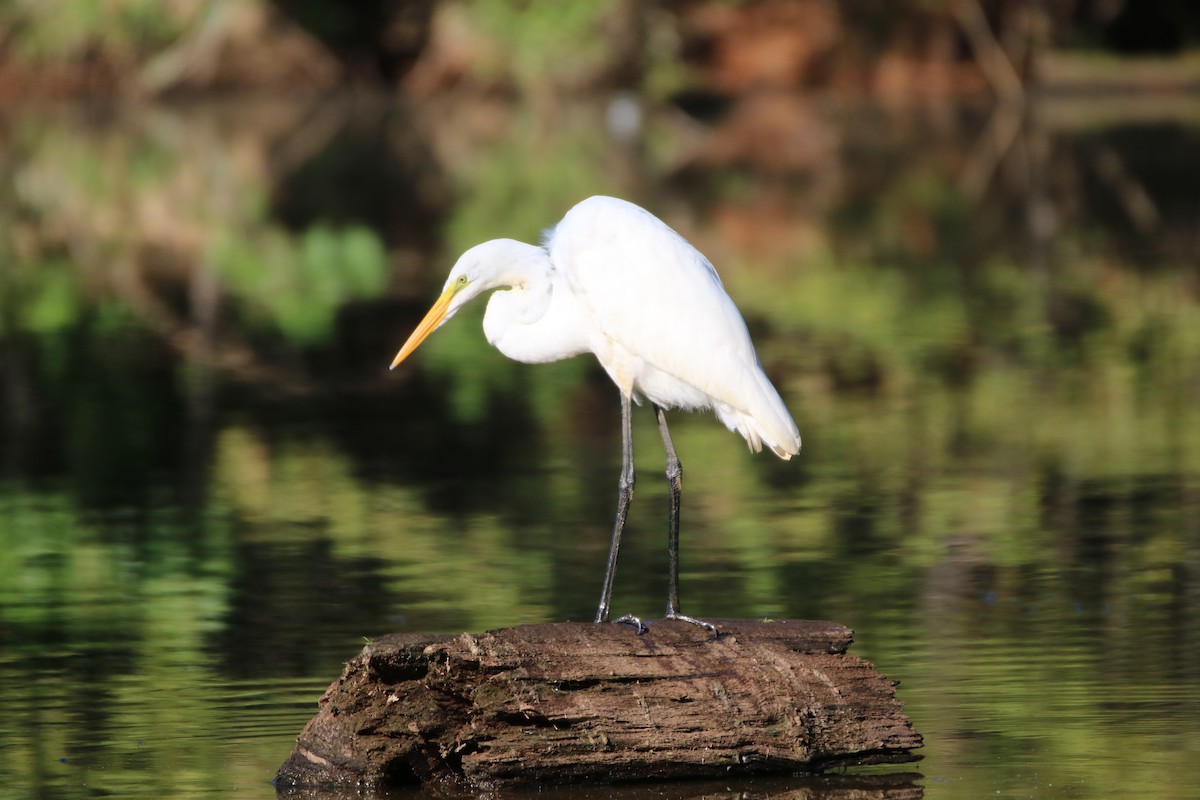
536, 319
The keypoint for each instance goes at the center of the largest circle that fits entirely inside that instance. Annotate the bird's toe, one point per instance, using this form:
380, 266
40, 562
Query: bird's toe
630, 619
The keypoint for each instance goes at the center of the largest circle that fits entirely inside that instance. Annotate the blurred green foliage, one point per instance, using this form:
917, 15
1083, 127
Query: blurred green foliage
57, 30
297, 284
86, 187
542, 37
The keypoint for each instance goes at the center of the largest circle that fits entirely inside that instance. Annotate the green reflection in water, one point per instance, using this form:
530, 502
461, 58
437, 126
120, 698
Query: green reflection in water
113, 207
298, 285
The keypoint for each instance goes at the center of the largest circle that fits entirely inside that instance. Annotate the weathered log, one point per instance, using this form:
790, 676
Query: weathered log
577, 702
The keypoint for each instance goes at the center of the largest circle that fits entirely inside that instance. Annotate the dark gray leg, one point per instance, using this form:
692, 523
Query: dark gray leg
674, 488
624, 495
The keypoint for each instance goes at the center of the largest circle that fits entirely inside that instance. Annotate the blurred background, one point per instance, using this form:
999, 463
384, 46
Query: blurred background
965, 235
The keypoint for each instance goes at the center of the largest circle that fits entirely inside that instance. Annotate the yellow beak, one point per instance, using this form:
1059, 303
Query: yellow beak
428, 325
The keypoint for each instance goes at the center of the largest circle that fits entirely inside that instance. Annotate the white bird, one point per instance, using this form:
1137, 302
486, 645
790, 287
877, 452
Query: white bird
614, 280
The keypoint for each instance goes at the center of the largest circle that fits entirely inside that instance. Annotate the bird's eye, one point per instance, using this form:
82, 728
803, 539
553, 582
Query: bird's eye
462, 280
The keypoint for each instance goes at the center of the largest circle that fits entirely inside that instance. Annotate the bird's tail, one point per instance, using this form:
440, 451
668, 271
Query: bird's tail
766, 423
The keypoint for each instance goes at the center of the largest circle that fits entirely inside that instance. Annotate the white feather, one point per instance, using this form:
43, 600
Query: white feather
614, 280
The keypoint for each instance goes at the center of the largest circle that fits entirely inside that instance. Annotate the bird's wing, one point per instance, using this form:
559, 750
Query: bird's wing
657, 297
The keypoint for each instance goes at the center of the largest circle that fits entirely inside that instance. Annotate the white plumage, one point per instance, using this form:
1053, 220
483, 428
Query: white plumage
663, 325
614, 280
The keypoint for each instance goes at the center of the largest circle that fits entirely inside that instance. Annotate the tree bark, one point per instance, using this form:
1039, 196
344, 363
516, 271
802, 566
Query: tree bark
578, 702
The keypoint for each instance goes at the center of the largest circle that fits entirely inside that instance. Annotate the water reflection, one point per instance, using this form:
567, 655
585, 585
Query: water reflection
211, 489
894, 786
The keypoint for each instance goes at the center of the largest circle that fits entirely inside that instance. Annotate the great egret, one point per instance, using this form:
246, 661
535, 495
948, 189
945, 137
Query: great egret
614, 280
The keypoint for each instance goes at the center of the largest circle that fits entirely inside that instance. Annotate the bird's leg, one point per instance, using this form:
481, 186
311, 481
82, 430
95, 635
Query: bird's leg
624, 495
674, 492
674, 488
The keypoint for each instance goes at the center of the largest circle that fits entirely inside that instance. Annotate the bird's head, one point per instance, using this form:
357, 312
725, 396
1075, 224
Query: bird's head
465, 282
491, 265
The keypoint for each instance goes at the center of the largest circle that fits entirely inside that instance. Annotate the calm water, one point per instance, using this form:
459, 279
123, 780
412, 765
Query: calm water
211, 489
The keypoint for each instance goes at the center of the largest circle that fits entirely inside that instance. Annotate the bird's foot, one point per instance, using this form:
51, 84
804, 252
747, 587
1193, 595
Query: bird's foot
708, 626
630, 619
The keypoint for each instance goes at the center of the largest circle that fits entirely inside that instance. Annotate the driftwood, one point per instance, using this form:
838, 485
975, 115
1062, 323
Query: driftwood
577, 702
